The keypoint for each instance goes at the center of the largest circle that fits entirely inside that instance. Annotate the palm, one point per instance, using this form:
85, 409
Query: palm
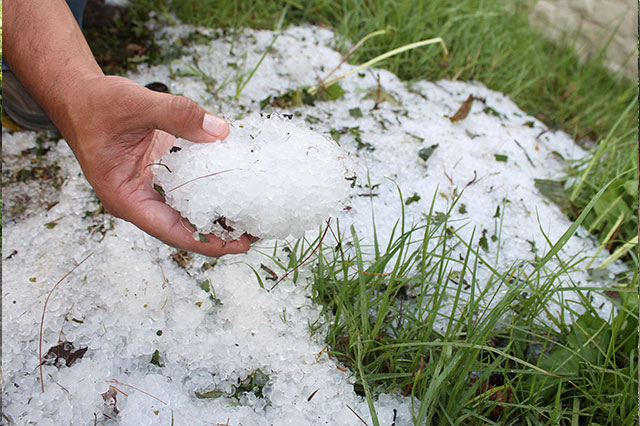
118, 164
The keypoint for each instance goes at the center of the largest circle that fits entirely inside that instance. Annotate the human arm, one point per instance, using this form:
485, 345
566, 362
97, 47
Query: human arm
114, 126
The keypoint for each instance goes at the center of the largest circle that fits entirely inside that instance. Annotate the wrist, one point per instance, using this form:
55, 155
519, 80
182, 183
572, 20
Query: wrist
69, 104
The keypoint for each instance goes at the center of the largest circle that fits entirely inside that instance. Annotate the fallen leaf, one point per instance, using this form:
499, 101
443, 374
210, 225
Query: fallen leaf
63, 351
463, 111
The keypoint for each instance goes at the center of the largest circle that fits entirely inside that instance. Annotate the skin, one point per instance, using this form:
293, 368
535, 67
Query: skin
114, 126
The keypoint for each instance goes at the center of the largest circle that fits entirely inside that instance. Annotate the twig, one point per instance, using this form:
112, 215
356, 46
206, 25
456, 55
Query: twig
525, 153
480, 178
185, 226
44, 310
133, 387
313, 394
63, 388
449, 178
158, 164
541, 133
118, 390
472, 181
200, 177
356, 414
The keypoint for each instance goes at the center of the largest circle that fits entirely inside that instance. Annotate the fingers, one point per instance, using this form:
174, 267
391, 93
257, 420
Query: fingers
161, 221
184, 118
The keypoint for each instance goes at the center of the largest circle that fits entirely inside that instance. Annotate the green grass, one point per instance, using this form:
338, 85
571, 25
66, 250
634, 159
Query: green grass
490, 42
416, 317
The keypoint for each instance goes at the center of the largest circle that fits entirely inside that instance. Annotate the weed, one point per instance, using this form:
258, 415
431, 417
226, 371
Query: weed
253, 383
415, 317
124, 42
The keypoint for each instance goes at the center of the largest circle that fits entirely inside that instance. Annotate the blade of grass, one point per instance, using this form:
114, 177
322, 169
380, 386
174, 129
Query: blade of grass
377, 59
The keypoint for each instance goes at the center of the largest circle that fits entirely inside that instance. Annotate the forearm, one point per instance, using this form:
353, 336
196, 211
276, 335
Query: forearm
115, 127
47, 51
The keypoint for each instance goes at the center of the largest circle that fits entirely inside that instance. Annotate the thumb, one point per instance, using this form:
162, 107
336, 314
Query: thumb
182, 117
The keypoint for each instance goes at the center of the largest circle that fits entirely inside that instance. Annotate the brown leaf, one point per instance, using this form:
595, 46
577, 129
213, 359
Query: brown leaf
272, 275
110, 403
614, 294
133, 49
63, 351
503, 395
463, 111
182, 258
222, 222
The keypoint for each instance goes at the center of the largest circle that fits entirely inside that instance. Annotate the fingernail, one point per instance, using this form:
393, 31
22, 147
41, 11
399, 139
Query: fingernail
215, 126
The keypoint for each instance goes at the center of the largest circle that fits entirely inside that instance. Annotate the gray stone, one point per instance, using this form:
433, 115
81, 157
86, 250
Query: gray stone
593, 22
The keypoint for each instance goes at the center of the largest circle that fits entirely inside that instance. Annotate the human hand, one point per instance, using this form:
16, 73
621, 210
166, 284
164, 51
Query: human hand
116, 128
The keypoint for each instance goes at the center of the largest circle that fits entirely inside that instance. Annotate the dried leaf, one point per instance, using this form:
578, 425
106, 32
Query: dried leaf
63, 351
272, 275
463, 111
182, 258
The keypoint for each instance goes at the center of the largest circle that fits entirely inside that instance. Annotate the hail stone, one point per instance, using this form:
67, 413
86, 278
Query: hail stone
270, 178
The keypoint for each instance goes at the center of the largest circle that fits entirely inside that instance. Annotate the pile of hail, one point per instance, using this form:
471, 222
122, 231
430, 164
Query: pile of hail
270, 178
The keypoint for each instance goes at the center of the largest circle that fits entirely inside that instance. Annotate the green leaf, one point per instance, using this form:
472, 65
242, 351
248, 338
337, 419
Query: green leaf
490, 111
205, 285
52, 224
379, 95
471, 135
611, 205
158, 189
586, 331
425, 153
335, 134
416, 137
484, 243
631, 187
572, 229
306, 97
155, 358
501, 157
554, 191
560, 361
331, 93
414, 198
212, 394
355, 112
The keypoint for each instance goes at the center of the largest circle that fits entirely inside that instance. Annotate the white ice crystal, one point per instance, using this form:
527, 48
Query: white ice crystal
270, 178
